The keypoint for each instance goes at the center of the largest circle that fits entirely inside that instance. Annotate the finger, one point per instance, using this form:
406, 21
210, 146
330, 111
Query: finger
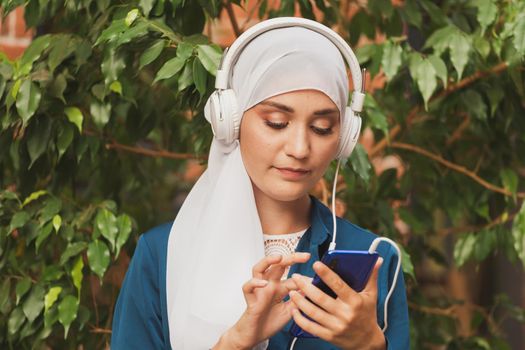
311, 310
316, 295
310, 326
371, 286
295, 258
249, 287
333, 281
276, 271
259, 268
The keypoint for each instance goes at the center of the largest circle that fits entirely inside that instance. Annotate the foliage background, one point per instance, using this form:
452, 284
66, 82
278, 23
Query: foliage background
101, 119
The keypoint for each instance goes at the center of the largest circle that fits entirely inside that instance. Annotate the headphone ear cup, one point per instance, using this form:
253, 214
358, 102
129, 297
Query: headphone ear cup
222, 111
349, 134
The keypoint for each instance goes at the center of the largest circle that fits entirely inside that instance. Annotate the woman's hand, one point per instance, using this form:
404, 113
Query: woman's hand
350, 321
266, 313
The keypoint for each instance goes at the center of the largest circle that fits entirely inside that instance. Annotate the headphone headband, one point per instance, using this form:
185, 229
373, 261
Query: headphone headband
231, 54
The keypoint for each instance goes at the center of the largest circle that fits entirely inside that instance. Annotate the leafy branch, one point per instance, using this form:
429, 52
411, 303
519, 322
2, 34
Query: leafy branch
459, 168
396, 129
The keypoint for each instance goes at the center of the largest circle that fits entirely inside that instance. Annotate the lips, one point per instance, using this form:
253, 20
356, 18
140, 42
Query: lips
292, 173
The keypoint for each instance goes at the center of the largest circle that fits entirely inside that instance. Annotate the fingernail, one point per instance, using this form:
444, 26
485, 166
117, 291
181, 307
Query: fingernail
261, 283
296, 276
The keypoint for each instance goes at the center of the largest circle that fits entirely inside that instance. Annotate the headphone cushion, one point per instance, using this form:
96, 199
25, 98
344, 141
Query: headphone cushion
222, 111
349, 134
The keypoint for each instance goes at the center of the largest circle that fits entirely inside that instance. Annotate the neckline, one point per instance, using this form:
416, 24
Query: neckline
285, 235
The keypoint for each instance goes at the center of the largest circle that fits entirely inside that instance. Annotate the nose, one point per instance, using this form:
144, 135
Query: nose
297, 143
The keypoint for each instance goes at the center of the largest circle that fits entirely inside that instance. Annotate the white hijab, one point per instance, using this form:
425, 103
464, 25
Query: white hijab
216, 237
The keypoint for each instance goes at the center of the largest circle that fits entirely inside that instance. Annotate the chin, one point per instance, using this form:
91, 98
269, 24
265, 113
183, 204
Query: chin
287, 193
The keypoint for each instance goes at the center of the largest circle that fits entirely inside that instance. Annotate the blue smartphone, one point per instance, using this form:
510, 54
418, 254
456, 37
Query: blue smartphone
353, 266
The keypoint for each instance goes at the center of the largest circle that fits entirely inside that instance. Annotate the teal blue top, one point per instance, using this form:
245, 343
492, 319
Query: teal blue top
140, 320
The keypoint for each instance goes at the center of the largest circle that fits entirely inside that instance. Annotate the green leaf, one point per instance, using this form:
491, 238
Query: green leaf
67, 312
423, 73
186, 77
64, 139
38, 138
199, 76
131, 17
169, 69
124, 230
16, 320
464, 248
360, 163
18, 220
495, 96
391, 60
151, 53
375, 115
485, 241
33, 197
519, 35
72, 249
185, 50
210, 57
57, 87
482, 46
77, 275
406, 263
116, 86
440, 39
460, 46
107, 225
112, 32
28, 100
57, 222
138, 30
52, 273
112, 65
33, 53
43, 234
22, 287
62, 46
98, 257
101, 112
440, 68
34, 303
74, 115
475, 104
412, 13
5, 291
51, 297
487, 11
146, 6
51, 207
518, 234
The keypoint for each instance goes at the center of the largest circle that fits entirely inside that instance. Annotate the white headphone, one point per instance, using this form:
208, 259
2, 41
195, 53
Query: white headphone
222, 111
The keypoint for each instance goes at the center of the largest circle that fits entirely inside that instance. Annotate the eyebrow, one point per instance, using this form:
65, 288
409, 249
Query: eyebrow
289, 109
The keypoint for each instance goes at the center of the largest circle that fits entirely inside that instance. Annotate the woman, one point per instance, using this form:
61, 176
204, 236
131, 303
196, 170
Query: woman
210, 280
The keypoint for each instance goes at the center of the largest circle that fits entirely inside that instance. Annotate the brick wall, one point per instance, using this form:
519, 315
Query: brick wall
14, 37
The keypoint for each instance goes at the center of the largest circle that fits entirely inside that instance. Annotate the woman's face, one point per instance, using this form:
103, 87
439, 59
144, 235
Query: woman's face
287, 142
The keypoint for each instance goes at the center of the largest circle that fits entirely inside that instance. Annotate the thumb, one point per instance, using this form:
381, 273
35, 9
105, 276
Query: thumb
371, 286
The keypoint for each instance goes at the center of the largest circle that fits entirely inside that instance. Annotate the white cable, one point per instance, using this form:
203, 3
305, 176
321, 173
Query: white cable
334, 187
293, 343
373, 249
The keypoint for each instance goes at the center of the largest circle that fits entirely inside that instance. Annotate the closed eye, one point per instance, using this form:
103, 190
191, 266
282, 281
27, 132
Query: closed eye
322, 131
277, 126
